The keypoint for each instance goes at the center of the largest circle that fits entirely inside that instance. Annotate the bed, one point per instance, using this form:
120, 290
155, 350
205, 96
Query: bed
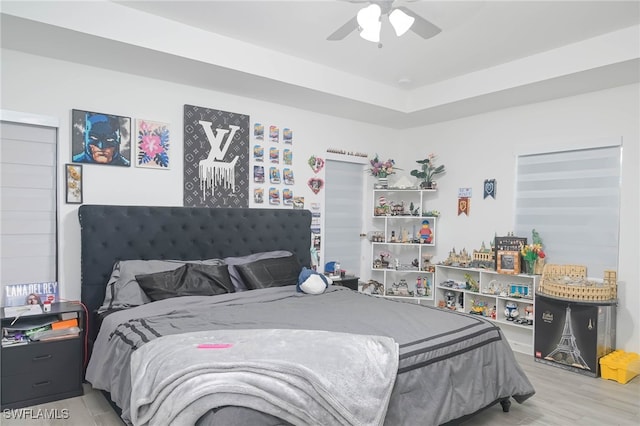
447, 367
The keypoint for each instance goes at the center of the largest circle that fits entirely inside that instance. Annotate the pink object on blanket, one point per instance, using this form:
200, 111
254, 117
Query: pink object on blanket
214, 345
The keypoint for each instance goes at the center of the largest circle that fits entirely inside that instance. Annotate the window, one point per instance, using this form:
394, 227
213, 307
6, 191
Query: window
28, 222
572, 198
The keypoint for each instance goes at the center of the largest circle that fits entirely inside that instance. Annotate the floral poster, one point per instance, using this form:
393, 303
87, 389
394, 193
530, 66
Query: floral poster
152, 144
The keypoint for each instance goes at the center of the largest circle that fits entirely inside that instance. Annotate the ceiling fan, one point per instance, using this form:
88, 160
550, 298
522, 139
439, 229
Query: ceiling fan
367, 21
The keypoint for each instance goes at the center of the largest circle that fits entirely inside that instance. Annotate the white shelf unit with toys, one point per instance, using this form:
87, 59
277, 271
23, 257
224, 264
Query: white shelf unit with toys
406, 273
502, 291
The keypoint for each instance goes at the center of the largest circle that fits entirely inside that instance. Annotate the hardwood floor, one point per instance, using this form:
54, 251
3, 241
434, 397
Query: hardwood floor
562, 398
566, 398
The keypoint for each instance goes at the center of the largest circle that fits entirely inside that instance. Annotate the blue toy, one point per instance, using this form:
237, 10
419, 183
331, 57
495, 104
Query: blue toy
312, 282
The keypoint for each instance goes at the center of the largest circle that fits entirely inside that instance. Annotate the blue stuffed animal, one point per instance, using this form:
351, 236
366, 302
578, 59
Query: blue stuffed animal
312, 282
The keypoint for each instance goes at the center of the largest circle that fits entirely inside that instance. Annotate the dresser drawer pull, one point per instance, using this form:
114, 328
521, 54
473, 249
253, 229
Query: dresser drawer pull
41, 357
37, 385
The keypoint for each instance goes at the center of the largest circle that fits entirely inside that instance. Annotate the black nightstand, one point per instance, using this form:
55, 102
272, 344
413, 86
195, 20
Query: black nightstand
43, 371
349, 281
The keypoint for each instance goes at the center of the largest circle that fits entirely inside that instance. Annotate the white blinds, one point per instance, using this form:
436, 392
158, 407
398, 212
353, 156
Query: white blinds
572, 198
343, 214
28, 209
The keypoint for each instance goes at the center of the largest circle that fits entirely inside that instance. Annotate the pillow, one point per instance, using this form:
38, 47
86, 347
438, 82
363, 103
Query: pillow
122, 289
236, 279
312, 282
187, 280
275, 272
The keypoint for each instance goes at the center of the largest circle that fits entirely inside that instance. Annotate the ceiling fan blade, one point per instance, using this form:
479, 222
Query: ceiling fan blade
421, 26
344, 30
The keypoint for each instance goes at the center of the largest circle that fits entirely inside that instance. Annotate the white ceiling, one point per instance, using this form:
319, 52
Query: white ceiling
489, 55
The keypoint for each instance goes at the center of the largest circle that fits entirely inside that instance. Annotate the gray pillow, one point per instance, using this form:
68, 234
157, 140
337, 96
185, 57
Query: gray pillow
123, 290
276, 272
236, 279
188, 280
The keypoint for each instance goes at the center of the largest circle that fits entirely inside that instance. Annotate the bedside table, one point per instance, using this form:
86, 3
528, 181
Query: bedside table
349, 281
42, 371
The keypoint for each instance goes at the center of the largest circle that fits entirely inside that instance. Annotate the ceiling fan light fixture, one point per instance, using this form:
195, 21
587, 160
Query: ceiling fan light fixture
369, 20
372, 32
400, 21
369, 15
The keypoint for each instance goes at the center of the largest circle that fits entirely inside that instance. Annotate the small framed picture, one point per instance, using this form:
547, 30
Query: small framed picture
508, 262
73, 183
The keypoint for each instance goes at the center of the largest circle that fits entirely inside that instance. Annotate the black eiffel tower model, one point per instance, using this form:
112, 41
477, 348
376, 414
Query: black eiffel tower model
567, 351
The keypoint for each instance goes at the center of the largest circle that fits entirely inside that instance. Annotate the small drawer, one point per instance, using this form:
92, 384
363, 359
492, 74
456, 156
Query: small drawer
32, 386
42, 357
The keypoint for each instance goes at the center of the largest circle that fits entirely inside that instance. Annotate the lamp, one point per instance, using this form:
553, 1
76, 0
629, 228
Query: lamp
369, 21
400, 21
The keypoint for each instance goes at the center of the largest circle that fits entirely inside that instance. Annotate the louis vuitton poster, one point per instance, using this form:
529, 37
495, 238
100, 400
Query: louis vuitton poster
216, 158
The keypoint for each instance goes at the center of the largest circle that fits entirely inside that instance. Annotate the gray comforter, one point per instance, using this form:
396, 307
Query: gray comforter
297, 375
450, 365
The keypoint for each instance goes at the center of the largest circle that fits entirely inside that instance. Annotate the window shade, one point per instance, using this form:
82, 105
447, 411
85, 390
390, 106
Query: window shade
343, 214
572, 198
28, 222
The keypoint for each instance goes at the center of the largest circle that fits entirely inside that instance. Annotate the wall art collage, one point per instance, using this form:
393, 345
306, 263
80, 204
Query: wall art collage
105, 139
272, 159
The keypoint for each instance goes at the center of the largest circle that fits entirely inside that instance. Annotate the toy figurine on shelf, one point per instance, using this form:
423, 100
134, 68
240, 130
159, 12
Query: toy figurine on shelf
450, 300
528, 314
426, 234
385, 257
511, 311
413, 210
478, 307
472, 284
493, 314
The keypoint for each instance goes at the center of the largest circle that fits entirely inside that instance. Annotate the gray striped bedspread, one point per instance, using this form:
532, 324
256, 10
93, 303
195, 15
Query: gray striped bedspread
450, 364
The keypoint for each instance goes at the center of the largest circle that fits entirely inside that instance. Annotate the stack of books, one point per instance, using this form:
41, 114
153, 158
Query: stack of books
43, 328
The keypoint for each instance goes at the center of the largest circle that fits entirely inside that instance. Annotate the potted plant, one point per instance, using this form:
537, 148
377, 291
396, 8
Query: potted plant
382, 169
533, 253
428, 170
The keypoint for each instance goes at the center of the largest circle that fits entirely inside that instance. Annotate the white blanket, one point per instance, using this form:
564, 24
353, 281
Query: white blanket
301, 376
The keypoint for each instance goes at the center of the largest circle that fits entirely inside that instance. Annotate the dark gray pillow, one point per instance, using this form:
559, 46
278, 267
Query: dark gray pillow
236, 279
188, 280
123, 290
266, 273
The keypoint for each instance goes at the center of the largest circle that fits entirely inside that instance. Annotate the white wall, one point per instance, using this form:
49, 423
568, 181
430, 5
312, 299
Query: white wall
485, 147
473, 149
50, 87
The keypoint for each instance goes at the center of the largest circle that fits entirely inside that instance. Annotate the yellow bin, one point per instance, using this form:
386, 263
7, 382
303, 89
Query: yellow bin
620, 366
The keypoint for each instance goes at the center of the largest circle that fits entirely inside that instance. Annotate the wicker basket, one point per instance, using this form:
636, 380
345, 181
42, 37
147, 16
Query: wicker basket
570, 282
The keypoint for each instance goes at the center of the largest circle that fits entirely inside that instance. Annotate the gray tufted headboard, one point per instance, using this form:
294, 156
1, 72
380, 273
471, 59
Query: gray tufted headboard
112, 233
